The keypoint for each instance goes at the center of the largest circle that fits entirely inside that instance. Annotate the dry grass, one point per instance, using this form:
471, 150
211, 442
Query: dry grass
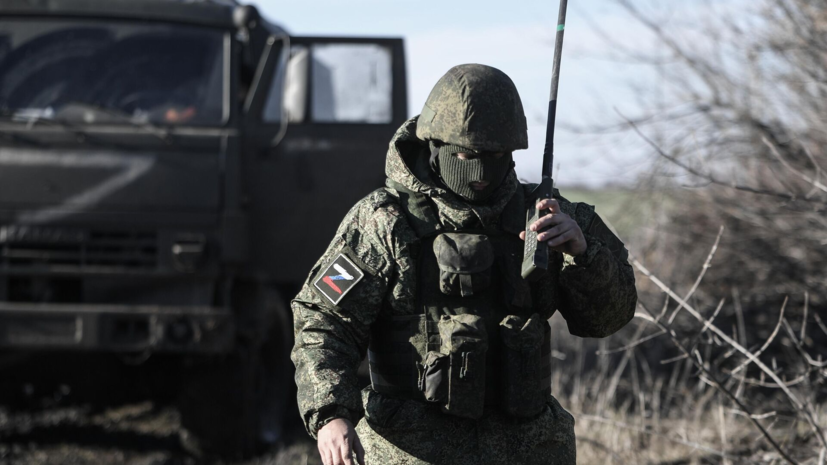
725, 363
630, 412
721, 399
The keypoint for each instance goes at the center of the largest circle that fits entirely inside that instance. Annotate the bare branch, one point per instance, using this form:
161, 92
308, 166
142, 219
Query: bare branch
820, 323
816, 184
800, 347
768, 341
757, 416
702, 273
673, 359
711, 178
631, 345
804, 318
800, 406
758, 382
722, 388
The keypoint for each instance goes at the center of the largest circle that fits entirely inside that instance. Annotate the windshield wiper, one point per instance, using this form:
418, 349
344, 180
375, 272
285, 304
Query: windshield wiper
159, 132
33, 116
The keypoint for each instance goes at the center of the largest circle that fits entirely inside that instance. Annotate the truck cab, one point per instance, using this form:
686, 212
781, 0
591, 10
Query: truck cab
169, 172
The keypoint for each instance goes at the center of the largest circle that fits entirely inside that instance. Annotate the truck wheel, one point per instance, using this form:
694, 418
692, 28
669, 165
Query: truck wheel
234, 406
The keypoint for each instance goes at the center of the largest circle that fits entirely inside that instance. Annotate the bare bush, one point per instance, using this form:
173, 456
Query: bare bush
725, 362
752, 141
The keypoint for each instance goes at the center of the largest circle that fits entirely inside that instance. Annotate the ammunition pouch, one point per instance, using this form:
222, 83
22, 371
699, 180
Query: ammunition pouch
465, 342
465, 262
451, 374
525, 365
394, 354
433, 376
452, 371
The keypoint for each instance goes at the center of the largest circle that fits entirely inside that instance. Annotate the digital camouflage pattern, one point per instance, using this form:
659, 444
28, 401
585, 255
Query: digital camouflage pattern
595, 292
407, 432
476, 107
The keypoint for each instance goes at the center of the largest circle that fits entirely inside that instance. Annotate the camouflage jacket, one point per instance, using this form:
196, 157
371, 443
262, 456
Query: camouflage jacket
595, 291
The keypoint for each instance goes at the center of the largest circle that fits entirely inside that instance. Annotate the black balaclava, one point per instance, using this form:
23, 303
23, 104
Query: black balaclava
458, 174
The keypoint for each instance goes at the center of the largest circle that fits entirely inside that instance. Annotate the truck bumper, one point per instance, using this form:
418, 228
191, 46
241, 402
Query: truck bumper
116, 328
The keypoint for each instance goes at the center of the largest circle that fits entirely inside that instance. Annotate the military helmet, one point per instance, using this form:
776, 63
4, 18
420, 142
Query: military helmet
476, 107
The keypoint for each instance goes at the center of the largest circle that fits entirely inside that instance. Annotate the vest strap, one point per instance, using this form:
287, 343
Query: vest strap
420, 211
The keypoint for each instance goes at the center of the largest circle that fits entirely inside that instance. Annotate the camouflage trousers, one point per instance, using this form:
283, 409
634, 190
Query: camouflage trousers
407, 432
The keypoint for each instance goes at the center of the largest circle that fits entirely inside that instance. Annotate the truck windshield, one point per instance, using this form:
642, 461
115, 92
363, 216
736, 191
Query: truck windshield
91, 72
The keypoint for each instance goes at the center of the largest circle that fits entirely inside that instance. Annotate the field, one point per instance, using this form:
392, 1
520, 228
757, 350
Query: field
636, 398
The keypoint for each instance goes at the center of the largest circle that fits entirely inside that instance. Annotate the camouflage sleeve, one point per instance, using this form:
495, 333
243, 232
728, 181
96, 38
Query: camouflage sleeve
332, 338
598, 295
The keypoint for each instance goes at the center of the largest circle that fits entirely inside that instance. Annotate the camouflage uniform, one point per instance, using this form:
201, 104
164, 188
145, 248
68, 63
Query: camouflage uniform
595, 292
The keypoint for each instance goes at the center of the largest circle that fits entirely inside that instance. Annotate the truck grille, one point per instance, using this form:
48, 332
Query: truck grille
37, 247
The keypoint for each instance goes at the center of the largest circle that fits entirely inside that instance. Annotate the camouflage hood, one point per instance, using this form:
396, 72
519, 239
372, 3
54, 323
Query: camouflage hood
407, 165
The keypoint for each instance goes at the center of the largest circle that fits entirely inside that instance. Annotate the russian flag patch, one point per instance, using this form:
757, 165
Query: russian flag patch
338, 279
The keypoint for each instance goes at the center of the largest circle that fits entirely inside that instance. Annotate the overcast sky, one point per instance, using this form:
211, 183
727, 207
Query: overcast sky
518, 38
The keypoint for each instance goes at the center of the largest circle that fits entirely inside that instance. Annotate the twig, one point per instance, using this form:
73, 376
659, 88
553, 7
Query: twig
621, 424
793, 398
820, 323
723, 389
768, 341
722, 419
742, 332
711, 319
760, 436
801, 175
631, 345
700, 277
673, 359
664, 309
756, 382
712, 179
757, 416
804, 319
621, 367
739, 315
800, 347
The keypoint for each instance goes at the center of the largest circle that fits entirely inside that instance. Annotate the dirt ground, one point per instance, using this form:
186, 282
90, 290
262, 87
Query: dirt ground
77, 409
136, 434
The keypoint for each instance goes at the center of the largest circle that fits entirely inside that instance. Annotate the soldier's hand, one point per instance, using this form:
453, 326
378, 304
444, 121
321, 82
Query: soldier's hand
337, 443
564, 234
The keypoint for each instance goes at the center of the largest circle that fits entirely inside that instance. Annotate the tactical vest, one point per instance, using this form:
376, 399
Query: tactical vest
476, 340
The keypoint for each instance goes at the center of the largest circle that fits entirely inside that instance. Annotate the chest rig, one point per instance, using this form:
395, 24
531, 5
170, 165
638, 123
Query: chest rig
475, 340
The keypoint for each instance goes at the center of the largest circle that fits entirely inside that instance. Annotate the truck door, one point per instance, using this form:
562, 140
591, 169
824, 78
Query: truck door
317, 148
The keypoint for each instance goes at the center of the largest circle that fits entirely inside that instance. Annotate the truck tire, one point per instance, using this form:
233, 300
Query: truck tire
234, 406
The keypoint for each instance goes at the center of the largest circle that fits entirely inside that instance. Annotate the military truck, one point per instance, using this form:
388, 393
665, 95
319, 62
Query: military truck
169, 172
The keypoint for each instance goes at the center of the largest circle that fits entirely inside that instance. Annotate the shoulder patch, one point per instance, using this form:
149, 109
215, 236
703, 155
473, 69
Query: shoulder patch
338, 279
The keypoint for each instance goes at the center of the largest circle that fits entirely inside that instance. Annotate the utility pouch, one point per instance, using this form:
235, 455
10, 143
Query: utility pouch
521, 365
433, 376
465, 262
465, 342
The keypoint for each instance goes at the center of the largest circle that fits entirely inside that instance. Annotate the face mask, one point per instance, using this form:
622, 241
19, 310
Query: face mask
458, 174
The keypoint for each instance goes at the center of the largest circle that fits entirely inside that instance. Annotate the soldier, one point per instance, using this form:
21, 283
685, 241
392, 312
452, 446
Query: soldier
424, 276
